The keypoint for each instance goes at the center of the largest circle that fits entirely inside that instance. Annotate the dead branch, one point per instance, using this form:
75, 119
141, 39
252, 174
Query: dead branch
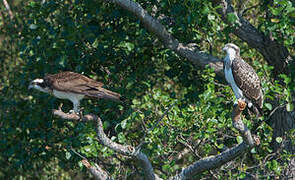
103, 139
96, 171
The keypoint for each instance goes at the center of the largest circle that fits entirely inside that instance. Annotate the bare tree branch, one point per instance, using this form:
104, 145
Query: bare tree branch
126, 150
155, 125
199, 166
8, 9
103, 139
96, 171
197, 57
273, 52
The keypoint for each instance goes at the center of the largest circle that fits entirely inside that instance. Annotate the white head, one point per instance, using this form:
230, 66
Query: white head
40, 85
232, 50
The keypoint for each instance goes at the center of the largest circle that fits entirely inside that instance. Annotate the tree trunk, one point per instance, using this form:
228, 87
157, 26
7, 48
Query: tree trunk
282, 122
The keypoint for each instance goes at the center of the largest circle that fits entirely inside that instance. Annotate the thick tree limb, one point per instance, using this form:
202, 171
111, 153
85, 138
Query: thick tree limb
198, 58
97, 172
199, 166
273, 52
126, 150
122, 149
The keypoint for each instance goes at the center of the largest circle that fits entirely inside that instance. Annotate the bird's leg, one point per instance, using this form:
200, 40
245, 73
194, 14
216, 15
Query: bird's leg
81, 113
242, 104
60, 106
76, 109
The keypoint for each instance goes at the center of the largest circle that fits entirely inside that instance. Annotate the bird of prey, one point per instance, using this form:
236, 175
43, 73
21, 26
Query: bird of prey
74, 87
243, 79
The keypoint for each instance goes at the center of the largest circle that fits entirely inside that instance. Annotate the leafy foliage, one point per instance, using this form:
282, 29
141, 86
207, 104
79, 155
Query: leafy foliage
111, 45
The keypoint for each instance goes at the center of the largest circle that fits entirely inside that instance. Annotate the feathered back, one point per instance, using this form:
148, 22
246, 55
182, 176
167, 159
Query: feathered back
80, 84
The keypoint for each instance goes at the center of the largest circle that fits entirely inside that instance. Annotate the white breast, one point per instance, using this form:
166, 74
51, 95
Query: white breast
68, 95
230, 79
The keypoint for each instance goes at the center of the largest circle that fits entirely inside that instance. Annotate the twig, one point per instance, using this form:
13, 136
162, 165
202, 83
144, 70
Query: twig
78, 154
154, 126
96, 171
199, 166
213, 162
249, 8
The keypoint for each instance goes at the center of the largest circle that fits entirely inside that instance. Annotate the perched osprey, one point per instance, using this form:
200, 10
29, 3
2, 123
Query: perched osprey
74, 87
242, 78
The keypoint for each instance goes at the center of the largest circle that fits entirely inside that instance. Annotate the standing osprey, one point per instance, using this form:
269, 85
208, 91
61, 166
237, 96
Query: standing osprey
74, 87
242, 78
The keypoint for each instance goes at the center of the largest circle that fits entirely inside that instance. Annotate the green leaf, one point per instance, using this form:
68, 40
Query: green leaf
290, 107
232, 18
239, 139
279, 139
123, 123
80, 164
68, 155
268, 106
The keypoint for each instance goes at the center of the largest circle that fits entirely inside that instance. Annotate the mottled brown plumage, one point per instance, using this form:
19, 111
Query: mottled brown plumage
243, 79
248, 81
79, 84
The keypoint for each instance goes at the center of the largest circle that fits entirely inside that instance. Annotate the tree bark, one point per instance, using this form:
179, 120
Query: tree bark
198, 58
199, 166
282, 122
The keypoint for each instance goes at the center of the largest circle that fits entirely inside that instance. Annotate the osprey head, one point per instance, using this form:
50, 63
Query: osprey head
232, 49
40, 85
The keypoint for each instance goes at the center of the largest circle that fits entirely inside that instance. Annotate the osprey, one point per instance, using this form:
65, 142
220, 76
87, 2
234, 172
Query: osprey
74, 87
242, 78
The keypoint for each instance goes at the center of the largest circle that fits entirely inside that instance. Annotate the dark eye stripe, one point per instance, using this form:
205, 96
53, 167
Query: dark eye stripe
230, 46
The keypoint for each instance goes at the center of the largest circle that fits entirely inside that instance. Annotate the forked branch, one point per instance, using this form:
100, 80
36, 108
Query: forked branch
103, 139
199, 166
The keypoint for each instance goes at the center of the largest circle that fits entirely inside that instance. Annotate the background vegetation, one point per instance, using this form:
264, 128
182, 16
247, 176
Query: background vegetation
111, 45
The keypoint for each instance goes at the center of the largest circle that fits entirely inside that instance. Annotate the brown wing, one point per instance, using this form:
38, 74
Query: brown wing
248, 81
80, 84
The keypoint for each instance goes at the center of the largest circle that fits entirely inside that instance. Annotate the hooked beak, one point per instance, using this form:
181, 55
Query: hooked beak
224, 49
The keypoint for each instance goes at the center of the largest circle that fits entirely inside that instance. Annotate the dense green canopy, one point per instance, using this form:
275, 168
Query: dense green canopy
110, 44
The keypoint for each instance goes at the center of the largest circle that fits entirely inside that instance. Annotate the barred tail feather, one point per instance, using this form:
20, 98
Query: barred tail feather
104, 94
107, 94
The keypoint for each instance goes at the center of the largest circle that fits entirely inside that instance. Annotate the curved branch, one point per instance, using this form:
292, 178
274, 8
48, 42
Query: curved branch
197, 57
103, 139
273, 52
126, 150
213, 162
199, 166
